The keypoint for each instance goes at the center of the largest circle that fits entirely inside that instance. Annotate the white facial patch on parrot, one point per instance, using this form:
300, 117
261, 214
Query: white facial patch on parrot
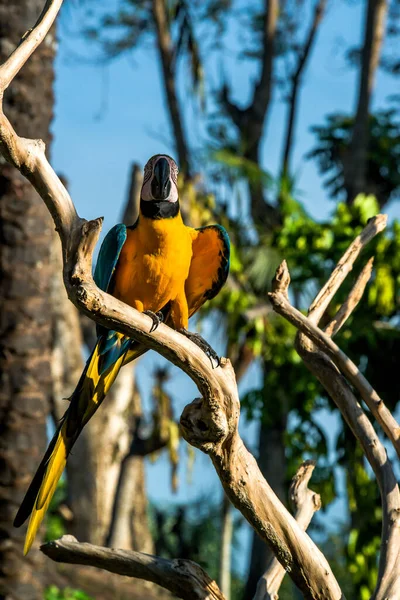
146, 193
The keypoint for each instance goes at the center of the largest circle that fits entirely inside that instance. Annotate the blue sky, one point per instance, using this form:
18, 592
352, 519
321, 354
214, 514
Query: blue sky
106, 117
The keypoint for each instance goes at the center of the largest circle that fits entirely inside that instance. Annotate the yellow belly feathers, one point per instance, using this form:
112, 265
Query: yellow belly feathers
153, 267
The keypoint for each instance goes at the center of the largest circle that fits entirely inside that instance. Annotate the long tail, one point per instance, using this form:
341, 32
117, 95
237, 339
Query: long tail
98, 376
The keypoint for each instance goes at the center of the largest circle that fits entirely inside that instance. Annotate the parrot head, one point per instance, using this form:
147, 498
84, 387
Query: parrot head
159, 195
160, 179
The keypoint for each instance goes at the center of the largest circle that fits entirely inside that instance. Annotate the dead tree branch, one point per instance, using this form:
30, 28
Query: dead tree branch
305, 503
376, 405
210, 423
184, 578
351, 301
344, 266
312, 347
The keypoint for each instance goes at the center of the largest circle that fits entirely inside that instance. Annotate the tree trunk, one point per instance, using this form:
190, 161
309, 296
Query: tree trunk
303, 56
166, 57
356, 161
129, 526
25, 329
263, 213
250, 122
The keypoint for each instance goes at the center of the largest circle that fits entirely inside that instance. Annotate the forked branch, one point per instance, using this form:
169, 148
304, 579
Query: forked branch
210, 423
281, 303
324, 359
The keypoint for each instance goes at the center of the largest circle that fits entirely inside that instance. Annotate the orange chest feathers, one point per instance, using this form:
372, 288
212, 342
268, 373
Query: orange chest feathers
154, 263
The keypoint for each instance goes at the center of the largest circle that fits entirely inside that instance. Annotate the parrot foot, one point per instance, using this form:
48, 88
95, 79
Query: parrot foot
157, 318
197, 339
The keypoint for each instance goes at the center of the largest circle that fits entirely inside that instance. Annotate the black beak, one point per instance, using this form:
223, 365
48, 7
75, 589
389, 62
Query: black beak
161, 182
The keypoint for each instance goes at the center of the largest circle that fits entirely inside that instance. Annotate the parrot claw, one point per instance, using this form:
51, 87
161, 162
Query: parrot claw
197, 339
157, 318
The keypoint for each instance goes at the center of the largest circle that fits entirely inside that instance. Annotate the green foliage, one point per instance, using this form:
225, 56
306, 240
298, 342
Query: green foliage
54, 593
383, 173
362, 563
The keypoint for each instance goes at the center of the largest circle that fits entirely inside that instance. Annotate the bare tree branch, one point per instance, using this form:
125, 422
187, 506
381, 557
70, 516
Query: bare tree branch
209, 423
236, 113
344, 266
184, 578
351, 301
382, 414
28, 44
337, 387
305, 502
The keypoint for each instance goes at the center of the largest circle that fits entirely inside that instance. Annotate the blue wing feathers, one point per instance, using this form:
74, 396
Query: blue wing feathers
111, 344
109, 255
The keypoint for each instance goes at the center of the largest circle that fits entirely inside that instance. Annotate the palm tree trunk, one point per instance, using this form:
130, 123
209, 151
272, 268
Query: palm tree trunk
355, 166
165, 49
25, 327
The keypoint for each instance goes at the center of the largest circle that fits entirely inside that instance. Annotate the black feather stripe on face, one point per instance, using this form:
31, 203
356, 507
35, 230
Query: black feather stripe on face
159, 210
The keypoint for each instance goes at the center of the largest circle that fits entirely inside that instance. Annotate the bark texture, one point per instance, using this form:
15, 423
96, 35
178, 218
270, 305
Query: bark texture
184, 578
25, 326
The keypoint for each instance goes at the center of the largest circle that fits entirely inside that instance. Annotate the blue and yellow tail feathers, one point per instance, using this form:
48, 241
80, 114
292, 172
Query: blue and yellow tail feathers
111, 352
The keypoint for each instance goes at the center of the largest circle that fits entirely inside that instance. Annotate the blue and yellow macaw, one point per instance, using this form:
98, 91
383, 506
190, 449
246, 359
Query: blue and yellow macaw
160, 267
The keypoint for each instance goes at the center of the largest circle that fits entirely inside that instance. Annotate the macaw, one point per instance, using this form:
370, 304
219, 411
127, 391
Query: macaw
160, 267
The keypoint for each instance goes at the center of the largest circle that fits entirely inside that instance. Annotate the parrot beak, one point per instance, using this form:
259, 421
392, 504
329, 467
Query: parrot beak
161, 182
